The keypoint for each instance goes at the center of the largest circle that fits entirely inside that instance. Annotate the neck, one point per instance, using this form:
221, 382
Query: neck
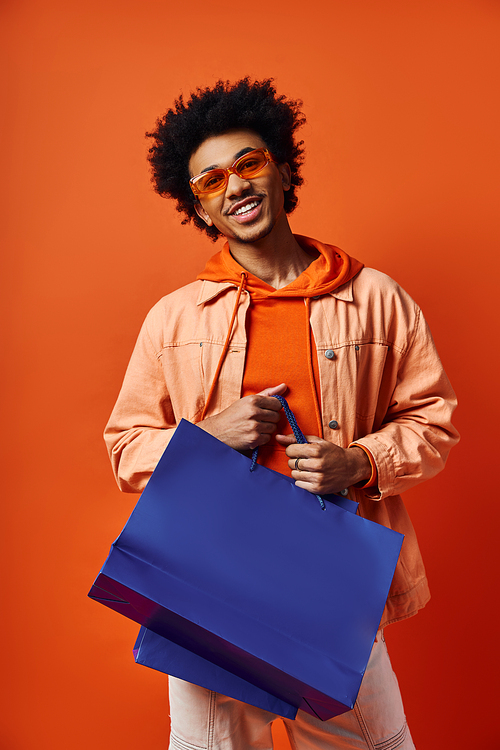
276, 259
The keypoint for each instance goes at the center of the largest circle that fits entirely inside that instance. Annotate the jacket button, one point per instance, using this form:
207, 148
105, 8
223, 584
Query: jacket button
330, 354
333, 425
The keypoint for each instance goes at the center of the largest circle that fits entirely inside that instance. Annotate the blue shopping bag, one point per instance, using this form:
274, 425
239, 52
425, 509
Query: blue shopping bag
246, 571
156, 652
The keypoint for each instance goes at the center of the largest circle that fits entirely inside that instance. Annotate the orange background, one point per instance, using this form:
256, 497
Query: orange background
402, 171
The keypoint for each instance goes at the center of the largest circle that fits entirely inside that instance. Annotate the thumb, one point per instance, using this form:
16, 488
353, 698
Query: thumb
276, 390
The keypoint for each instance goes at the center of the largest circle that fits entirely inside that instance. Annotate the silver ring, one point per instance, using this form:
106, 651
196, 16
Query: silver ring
297, 464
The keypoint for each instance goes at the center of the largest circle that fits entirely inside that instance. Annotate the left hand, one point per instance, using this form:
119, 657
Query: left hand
325, 468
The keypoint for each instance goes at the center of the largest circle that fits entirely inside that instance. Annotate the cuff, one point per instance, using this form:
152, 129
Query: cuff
372, 481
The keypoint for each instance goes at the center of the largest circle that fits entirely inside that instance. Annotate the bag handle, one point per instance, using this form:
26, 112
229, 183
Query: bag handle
298, 434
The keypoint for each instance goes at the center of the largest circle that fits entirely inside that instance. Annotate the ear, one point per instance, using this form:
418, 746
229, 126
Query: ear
202, 213
286, 175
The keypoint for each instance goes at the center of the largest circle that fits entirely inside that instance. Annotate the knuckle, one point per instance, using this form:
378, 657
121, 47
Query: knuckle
250, 404
254, 441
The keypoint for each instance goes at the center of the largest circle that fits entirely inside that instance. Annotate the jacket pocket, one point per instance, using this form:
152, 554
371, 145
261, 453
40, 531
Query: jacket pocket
370, 363
184, 377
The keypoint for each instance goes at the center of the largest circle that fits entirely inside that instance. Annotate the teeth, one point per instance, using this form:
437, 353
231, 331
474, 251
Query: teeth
246, 208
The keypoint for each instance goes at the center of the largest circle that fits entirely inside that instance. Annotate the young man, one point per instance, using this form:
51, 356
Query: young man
275, 313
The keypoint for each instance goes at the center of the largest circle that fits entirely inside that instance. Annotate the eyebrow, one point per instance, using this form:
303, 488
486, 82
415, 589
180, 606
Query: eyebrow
236, 157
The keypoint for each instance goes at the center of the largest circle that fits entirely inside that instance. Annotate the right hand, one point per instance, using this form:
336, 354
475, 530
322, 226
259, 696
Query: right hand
248, 422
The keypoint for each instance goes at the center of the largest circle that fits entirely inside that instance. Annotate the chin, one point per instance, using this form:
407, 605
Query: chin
253, 235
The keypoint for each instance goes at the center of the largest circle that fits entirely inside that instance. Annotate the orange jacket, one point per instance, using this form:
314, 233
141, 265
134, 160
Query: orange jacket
382, 385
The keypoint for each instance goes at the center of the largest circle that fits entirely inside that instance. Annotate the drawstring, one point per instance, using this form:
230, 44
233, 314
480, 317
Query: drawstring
297, 433
241, 287
319, 421
289, 414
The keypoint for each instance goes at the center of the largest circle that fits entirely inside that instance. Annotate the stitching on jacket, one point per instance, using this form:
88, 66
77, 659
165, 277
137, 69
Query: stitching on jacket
325, 316
418, 318
240, 346
360, 341
148, 336
420, 582
412, 613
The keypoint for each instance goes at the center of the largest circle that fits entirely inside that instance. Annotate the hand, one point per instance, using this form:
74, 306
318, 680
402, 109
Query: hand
324, 467
248, 422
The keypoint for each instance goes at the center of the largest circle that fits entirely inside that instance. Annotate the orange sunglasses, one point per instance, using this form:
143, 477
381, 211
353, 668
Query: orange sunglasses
247, 166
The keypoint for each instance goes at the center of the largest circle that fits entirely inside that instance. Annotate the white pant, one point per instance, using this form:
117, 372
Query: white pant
204, 720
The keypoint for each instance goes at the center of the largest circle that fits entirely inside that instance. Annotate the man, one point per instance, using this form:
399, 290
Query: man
275, 313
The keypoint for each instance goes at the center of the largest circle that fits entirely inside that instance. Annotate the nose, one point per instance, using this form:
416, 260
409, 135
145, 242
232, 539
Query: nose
236, 185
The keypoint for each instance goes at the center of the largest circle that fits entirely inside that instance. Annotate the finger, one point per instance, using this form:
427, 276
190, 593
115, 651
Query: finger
266, 415
265, 428
276, 390
263, 438
285, 439
314, 488
299, 465
299, 450
269, 403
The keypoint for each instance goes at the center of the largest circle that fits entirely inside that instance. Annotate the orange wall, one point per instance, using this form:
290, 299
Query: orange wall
402, 171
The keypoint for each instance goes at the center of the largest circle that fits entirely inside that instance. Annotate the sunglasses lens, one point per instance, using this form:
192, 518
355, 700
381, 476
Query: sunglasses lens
252, 163
211, 181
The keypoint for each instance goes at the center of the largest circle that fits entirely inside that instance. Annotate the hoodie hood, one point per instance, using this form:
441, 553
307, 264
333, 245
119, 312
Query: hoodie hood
329, 269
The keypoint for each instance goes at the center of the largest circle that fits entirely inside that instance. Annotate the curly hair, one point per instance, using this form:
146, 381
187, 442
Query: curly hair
246, 104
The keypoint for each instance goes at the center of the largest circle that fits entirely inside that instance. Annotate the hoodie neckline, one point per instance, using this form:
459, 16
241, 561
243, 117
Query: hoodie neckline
329, 269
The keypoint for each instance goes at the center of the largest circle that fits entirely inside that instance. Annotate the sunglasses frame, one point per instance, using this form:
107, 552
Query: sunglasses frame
233, 169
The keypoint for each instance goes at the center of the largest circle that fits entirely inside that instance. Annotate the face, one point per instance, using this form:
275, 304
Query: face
248, 209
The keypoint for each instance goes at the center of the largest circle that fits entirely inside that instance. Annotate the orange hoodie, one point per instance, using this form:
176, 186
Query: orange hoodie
279, 336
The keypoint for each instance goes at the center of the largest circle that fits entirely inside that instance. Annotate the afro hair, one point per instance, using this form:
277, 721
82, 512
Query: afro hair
246, 104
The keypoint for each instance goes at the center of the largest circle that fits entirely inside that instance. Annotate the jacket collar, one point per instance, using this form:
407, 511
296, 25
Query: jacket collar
344, 292
211, 289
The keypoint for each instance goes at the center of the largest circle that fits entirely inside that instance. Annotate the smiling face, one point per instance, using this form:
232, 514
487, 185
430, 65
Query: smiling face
248, 209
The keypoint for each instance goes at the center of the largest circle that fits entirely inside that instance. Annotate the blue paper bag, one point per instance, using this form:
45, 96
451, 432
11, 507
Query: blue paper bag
156, 652
245, 570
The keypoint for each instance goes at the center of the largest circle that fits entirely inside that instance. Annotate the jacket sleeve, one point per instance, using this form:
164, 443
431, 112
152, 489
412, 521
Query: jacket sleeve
416, 434
142, 422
